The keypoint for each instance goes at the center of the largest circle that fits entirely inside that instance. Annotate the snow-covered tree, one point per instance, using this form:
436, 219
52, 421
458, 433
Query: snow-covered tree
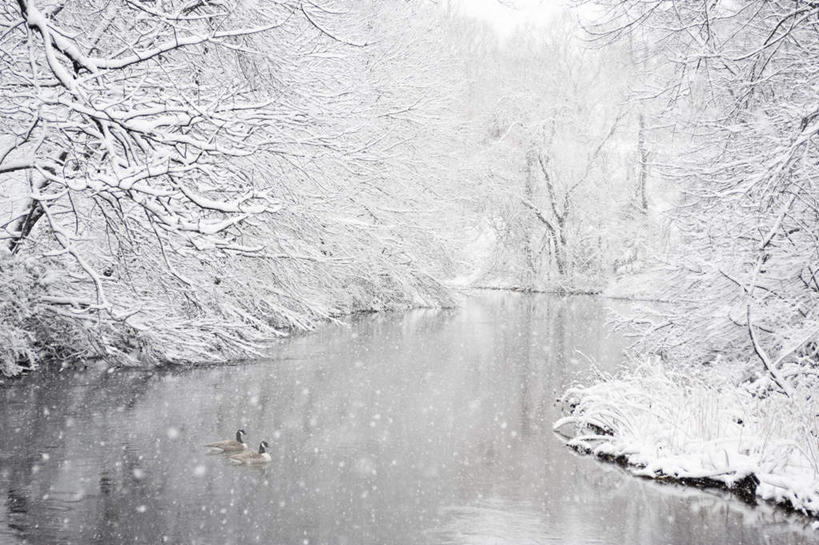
555, 149
183, 179
742, 107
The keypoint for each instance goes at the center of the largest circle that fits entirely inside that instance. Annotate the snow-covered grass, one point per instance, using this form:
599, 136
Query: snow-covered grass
702, 430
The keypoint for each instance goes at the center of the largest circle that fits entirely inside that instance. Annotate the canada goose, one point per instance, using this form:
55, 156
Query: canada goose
231, 445
253, 458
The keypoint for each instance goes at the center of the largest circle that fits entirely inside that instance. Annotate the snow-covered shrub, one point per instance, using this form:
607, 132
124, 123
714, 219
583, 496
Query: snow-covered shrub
34, 333
18, 299
669, 425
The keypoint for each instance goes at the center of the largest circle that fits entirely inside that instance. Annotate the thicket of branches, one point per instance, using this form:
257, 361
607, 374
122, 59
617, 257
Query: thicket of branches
556, 144
183, 180
742, 107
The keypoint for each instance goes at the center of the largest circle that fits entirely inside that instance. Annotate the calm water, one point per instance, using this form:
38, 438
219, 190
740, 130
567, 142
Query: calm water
420, 428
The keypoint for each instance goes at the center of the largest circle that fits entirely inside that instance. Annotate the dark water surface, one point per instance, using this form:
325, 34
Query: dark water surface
419, 428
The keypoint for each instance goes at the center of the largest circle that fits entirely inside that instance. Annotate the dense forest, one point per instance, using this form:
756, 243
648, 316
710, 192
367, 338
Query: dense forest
185, 181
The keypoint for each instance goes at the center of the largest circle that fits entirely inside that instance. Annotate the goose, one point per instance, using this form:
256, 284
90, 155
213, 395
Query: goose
253, 458
231, 445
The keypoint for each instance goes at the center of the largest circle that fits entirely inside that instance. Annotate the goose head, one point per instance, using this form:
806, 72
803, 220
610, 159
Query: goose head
263, 446
240, 436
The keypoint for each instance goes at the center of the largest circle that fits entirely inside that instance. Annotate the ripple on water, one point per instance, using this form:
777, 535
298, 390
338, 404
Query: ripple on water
417, 428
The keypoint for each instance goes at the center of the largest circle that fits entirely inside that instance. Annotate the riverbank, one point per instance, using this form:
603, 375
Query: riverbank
231, 320
424, 426
707, 431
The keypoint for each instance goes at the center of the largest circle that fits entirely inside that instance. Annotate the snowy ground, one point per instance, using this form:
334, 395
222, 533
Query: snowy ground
702, 431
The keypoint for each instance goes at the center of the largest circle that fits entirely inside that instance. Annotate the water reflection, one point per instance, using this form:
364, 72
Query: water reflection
429, 427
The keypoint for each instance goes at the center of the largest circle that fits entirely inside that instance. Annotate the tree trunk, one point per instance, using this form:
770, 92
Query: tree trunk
35, 211
560, 255
528, 249
26, 224
643, 172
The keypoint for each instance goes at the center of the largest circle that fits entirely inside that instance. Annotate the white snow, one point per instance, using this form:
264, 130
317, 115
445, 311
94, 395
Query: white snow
667, 425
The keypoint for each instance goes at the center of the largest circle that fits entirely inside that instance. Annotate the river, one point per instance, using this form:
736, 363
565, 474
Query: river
426, 427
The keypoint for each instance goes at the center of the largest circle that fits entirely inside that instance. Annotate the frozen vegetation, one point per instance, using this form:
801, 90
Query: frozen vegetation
727, 389
181, 182
702, 430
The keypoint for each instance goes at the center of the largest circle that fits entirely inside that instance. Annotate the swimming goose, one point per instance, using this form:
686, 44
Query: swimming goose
231, 445
253, 458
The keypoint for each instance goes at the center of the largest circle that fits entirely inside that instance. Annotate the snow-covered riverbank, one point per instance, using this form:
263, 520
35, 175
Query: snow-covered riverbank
704, 431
